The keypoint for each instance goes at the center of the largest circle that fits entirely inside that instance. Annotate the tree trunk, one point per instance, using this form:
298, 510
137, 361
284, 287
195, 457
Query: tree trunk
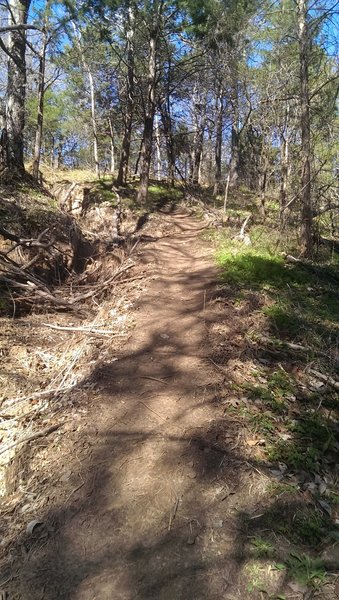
235, 134
167, 127
305, 126
146, 153
111, 135
235, 156
92, 99
16, 84
218, 141
128, 120
158, 161
284, 162
200, 117
93, 121
40, 117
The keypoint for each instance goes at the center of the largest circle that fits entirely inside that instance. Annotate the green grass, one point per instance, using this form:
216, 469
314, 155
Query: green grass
262, 548
301, 304
160, 194
274, 393
306, 570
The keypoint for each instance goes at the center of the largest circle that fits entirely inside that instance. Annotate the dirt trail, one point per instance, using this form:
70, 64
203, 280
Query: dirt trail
155, 515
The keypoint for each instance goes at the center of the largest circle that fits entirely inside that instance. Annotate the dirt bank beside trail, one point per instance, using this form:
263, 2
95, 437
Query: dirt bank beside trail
159, 484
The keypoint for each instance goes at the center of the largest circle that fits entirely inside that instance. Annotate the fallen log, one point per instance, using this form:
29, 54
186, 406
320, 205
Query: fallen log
327, 379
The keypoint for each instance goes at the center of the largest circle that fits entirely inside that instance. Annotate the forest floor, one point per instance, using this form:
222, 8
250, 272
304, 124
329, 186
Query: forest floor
158, 485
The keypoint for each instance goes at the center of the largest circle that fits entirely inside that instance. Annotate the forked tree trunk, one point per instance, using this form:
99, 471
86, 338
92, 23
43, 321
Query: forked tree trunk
305, 126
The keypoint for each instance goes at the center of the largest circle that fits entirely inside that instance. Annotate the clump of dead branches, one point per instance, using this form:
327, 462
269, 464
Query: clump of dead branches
38, 272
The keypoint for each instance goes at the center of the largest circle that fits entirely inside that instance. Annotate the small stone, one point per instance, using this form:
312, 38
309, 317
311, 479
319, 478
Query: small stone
191, 539
330, 557
218, 524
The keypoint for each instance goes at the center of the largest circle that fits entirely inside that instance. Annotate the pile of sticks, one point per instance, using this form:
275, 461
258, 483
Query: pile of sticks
25, 287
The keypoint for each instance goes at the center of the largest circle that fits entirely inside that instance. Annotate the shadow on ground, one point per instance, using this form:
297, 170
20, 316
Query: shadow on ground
168, 496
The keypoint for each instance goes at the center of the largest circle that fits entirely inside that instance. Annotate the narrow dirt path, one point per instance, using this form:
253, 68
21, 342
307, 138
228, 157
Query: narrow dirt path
156, 513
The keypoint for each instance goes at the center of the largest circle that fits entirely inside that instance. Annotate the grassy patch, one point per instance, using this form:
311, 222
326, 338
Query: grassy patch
161, 194
262, 548
306, 570
290, 324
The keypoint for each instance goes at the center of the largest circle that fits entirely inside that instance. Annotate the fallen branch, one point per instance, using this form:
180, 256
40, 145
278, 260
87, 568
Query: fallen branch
281, 345
320, 272
41, 394
84, 329
242, 236
27, 243
31, 437
153, 379
325, 378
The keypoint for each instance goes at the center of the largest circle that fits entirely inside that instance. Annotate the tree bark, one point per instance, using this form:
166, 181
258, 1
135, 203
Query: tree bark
93, 121
16, 84
198, 143
92, 100
40, 117
128, 120
168, 132
235, 154
218, 141
146, 153
158, 161
111, 135
284, 162
235, 133
305, 126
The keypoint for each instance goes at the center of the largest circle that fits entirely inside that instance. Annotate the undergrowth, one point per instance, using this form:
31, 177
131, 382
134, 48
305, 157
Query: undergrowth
291, 418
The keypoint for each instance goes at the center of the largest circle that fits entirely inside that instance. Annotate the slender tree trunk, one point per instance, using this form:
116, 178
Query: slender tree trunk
146, 153
226, 191
200, 118
158, 161
92, 100
218, 141
111, 135
136, 168
128, 120
284, 174
199, 142
16, 84
235, 156
167, 127
235, 134
40, 117
263, 184
305, 126
93, 121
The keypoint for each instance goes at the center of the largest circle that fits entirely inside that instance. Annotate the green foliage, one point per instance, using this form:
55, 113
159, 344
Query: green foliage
262, 548
305, 570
